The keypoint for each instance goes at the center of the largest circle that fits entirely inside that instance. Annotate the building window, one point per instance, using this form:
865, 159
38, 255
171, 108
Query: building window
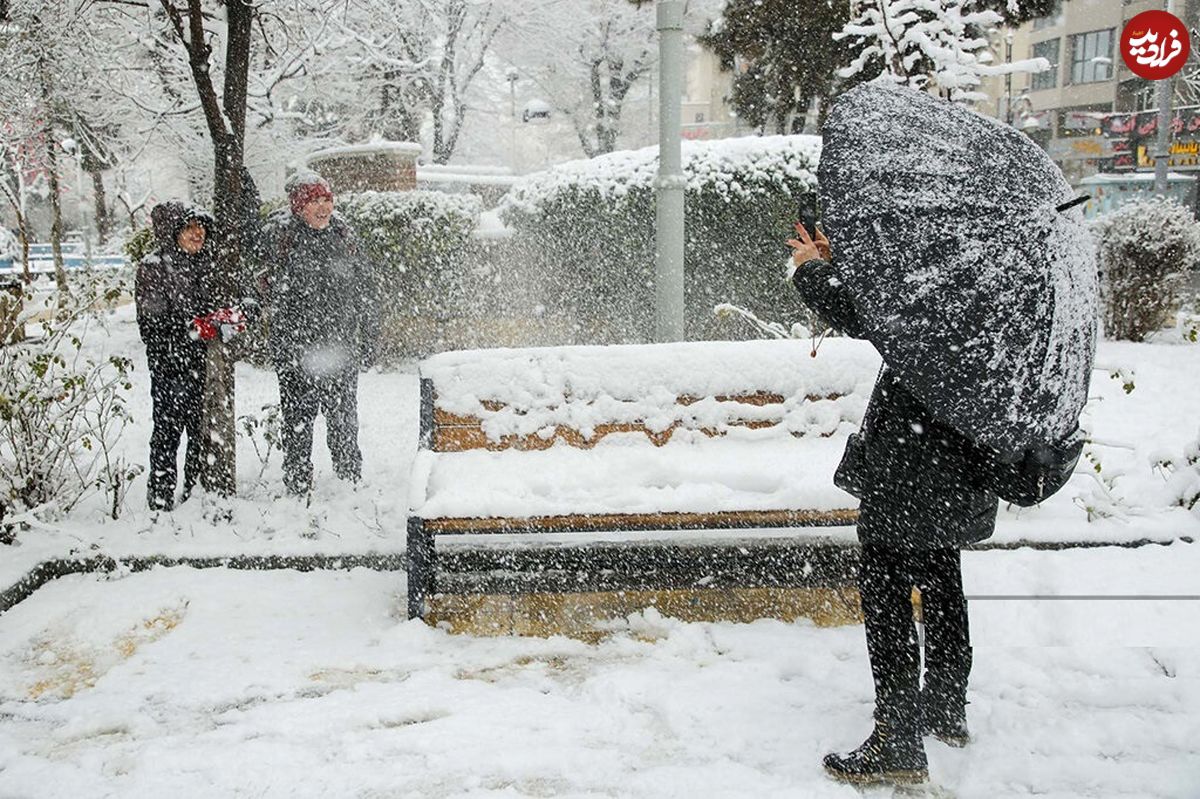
1051, 19
1049, 51
1091, 56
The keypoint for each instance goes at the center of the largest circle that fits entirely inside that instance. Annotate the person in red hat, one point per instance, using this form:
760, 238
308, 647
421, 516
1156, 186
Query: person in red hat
323, 302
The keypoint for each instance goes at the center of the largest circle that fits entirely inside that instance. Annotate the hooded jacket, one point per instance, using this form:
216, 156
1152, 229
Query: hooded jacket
173, 287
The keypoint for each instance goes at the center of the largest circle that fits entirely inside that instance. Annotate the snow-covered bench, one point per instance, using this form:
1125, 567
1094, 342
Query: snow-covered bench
567, 441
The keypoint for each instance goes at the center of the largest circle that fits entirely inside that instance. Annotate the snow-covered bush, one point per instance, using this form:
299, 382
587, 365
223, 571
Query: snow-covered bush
1147, 249
419, 239
62, 409
1182, 475
585, 230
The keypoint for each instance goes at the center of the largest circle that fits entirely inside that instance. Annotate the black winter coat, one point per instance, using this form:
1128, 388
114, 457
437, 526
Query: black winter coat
322, 296
922, 484
172, 288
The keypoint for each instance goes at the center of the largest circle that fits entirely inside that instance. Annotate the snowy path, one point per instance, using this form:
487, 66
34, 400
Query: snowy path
221, 683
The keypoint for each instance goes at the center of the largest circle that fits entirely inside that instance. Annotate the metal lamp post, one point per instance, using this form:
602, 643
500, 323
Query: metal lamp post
669, 208
1008, 98
1162, 150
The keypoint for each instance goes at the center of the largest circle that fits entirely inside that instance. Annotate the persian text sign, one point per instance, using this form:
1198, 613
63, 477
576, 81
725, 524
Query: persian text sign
1155, 45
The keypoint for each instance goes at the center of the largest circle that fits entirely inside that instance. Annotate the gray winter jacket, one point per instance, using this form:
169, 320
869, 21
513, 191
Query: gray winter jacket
322, 295
922, 484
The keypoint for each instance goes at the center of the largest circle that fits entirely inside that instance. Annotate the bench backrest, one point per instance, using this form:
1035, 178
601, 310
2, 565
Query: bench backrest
535, 398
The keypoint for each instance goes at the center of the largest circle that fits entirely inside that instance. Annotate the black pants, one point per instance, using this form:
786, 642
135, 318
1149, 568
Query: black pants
886, 582
301, 396
177, 397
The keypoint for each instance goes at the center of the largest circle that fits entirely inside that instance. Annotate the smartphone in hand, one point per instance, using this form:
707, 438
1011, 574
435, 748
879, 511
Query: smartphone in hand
808, 216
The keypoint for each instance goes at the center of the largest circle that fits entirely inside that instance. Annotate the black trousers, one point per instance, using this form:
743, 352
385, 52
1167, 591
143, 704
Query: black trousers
177, 397
302, 396
885, 583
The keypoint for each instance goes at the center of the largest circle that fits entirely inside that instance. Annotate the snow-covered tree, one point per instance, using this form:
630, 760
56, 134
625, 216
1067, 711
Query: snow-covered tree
781, 54
586, 57
43, 75
927, 44
415, 63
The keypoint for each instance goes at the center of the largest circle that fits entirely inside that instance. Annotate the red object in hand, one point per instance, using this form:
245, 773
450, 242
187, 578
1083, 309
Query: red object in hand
225, 322
203, 328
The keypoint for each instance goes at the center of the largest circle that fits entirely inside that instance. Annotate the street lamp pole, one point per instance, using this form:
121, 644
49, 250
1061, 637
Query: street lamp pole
1008, 114
512, 75
1162, 150
669, 210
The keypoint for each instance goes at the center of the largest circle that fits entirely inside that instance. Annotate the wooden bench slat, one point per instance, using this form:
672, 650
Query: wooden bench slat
468, 437
632, 522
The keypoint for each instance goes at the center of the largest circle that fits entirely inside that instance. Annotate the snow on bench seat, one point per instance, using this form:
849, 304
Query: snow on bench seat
696, 427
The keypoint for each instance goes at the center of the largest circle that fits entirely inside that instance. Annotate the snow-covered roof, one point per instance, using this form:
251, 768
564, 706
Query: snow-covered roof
370, 148
462, 169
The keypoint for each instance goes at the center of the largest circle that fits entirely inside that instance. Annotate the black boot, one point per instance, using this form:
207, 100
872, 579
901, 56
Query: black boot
945, 720
887, 756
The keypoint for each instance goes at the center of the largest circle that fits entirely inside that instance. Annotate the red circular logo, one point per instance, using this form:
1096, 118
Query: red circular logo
1155, 45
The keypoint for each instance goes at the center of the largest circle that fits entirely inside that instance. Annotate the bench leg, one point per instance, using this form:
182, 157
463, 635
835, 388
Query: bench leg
421, 565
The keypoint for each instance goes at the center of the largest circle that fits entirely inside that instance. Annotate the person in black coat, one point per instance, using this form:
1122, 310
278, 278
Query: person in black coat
924, 494
173, 289
323, 306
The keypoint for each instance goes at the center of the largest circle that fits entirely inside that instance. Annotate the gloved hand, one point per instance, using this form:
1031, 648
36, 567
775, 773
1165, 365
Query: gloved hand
230, 321
202, 329
225, 322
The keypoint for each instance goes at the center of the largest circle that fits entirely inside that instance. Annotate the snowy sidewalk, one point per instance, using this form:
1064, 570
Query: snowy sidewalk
219, 683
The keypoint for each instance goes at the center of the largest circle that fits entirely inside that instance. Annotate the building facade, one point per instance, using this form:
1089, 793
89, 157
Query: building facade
1085, 110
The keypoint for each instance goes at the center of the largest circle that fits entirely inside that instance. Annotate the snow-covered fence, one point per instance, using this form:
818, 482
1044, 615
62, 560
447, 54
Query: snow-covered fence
695, 436
584, 232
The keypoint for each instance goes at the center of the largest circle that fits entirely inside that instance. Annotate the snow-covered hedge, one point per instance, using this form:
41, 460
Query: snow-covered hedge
419, 239
1147, 249
587, 229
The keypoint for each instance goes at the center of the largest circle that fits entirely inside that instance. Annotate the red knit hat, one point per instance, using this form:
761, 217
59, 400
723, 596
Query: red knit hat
304, 191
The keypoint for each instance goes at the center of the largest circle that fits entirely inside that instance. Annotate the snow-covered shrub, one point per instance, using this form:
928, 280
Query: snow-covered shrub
585, 231
1187, 321
419, 239
62, 409
1183, 476
265, 433
1147, 248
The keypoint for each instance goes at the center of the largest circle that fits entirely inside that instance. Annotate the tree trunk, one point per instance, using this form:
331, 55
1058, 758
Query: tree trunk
51, 145
56, 224
220, 473
103, 222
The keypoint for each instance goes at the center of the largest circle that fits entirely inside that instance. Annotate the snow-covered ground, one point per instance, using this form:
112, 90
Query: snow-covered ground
212, 683
222, 683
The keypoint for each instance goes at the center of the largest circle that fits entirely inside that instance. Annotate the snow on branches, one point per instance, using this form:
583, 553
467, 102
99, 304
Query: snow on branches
928, 44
